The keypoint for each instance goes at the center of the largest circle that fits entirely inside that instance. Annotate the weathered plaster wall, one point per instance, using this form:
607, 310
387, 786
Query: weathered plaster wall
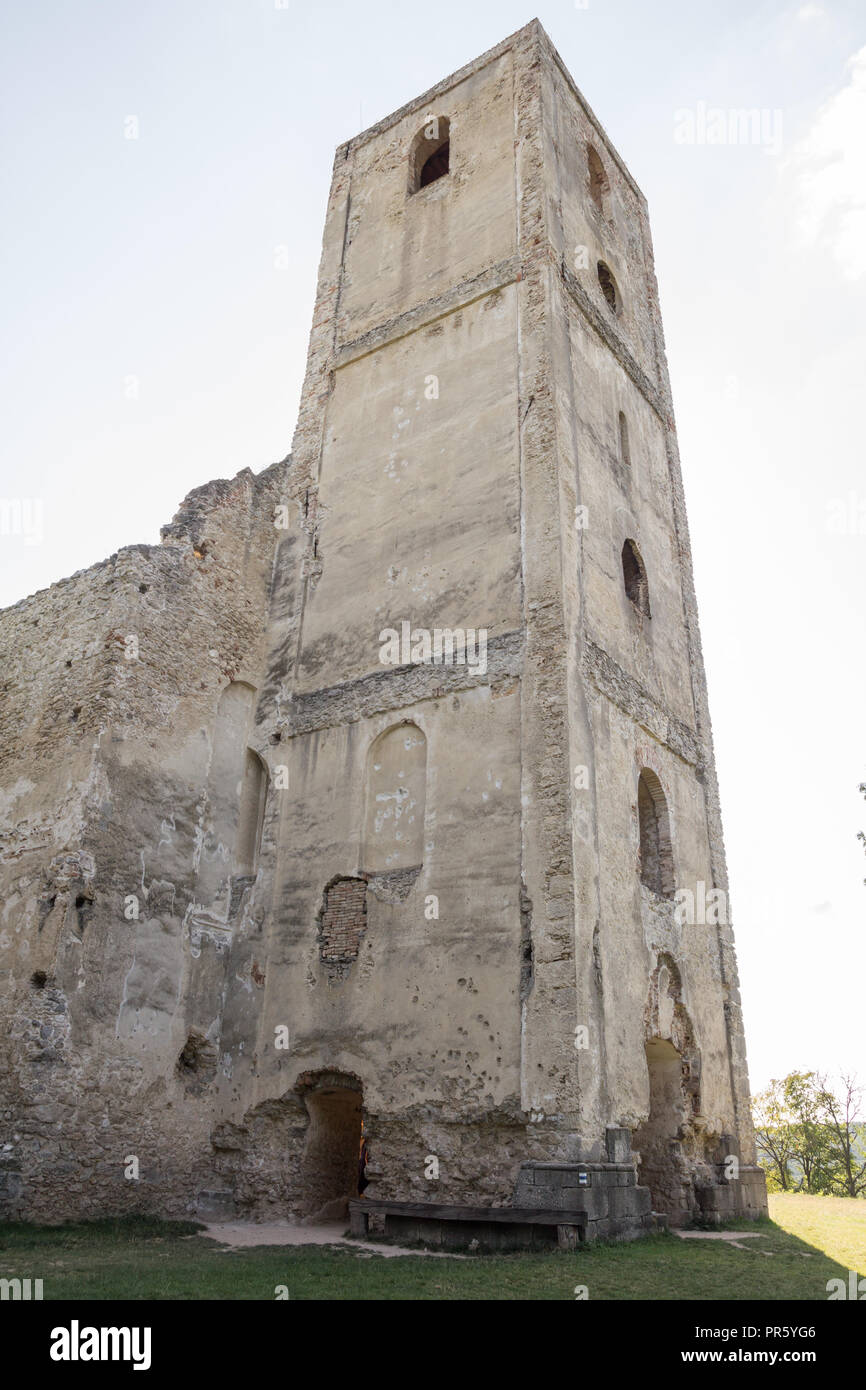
105, 775
418, 509
402, 251
430, 1013
464, 383
637, 688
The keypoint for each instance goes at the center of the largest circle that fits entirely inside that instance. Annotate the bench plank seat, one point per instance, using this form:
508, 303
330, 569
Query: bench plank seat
432, 1211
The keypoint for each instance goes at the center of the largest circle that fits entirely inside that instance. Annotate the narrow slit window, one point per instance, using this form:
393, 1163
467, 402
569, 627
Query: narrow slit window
624, 454
598, 182
609, 287
635, 579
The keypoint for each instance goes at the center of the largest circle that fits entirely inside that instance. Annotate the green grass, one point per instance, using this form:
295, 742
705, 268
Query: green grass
836, 1225
812, 1239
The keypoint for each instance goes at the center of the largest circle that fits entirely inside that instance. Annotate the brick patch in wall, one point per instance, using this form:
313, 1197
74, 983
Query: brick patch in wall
342, 921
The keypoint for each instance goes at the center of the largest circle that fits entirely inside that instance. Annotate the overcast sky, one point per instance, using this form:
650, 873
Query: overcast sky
157, 301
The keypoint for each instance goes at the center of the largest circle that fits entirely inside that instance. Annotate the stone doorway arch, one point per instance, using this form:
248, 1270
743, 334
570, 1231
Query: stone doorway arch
662, 1167
669, 1140
329, 1169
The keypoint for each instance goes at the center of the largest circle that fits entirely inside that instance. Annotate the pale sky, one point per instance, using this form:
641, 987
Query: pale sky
153, 341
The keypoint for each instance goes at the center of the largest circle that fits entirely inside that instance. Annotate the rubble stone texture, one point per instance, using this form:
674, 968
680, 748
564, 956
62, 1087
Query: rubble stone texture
259, 887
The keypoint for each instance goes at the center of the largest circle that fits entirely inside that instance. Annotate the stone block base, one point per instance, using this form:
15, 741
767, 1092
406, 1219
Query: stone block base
215, 1206
735, 1198
616, 1207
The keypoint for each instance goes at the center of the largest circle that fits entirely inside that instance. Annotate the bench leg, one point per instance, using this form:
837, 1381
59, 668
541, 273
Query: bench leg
357, 1222
568, 1237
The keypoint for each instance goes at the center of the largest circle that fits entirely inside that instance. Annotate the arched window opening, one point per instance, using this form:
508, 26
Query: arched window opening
396, 794
634, 576
624, 453
430, 156
219, 830
609, 287
233, 811
599, 186
656, 854
436, 165
251, 814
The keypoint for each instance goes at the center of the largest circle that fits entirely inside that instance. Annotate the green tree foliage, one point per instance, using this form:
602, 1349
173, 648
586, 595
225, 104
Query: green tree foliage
842, 1113
774, 1135
808, 1135
813, 1151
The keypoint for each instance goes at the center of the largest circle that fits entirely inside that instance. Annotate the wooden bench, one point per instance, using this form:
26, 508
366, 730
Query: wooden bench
369, 1216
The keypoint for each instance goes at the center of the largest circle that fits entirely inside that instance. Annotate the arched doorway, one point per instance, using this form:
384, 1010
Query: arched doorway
670, 1141
330, 1164
662, 1168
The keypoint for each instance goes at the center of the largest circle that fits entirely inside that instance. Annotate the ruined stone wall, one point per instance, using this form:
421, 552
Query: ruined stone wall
404, 894
113, 680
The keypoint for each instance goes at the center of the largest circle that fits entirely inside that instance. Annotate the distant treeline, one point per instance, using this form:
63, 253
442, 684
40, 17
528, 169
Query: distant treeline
810, 1135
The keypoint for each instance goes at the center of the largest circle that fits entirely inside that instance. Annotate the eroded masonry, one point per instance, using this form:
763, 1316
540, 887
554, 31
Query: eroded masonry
265, 894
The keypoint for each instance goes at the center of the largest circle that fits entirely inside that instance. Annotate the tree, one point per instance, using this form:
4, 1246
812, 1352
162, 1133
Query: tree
800, 1144
842, 1114
812, 1147
774, 1134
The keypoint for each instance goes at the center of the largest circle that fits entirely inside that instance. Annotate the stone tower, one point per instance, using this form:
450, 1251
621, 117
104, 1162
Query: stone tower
423, 814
